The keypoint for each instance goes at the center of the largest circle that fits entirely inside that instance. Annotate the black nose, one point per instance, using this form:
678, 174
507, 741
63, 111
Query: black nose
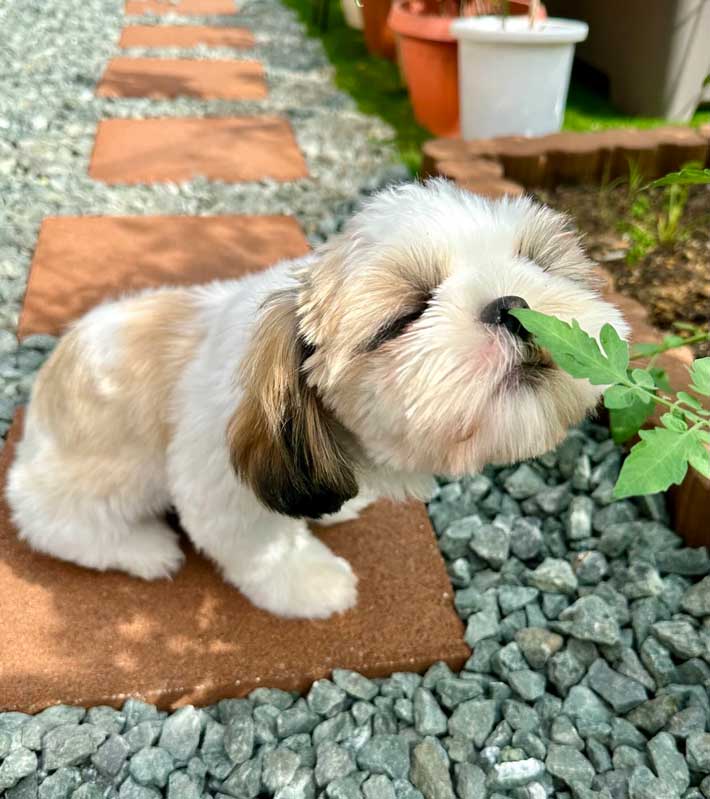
496, 313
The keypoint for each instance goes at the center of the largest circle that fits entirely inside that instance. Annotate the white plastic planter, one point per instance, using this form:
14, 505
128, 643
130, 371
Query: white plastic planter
353, 13
513, 79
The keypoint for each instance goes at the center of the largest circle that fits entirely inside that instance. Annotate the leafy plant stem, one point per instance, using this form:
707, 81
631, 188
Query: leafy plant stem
686, 342
668, 345
661, 400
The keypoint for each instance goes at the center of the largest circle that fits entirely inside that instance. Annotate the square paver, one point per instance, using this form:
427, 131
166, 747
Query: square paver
80, 261
82, 637
184, 36
183, 77
187, 8
230, 149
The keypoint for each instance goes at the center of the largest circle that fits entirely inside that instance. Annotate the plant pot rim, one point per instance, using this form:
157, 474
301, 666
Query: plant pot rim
419, 26
488, 29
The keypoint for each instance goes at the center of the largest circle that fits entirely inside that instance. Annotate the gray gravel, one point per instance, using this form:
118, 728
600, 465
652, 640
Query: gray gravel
584, 688
51, 57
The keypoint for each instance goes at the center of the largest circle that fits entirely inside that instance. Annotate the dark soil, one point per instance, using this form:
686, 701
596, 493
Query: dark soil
672, 281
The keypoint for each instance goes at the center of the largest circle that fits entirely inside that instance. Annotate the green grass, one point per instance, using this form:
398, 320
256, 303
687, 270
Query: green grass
375, 85
589, 109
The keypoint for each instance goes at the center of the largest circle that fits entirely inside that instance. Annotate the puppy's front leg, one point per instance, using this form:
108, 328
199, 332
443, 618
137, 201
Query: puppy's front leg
349, 512
274, 560
291, 573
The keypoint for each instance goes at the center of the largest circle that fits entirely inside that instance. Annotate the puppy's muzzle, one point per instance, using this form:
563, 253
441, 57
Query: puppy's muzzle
498, 313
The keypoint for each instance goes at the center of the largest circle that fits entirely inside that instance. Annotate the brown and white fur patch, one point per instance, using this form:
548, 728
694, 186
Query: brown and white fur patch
304, 391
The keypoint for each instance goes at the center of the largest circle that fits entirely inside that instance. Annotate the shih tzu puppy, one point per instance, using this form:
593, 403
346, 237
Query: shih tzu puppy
304, 392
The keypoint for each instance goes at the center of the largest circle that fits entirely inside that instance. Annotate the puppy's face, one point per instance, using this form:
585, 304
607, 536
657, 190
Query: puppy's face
410, 343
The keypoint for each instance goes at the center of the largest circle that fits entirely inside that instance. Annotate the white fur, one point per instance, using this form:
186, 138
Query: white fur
411, 405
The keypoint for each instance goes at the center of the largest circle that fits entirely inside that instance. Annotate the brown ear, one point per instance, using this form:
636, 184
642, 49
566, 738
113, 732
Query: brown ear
283, 443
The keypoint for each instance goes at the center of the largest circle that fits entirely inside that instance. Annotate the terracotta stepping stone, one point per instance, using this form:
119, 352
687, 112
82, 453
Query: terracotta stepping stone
82, 637
183, 77
81, 261
178, 149
191, 8
184, 36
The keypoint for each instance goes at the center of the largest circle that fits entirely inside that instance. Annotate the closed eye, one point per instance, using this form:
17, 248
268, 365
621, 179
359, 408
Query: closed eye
395, 327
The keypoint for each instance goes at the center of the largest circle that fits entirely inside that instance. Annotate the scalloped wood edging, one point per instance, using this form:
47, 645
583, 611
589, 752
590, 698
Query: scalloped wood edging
511, 164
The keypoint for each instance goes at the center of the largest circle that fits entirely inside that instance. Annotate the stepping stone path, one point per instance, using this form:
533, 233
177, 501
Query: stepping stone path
176, 149
80, 637
80, 261
184, 36
175, 77
183, 8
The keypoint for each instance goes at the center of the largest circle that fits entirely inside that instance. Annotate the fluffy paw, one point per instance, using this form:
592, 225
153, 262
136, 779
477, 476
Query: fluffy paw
151, 553
344, 515
308, 585
348, 513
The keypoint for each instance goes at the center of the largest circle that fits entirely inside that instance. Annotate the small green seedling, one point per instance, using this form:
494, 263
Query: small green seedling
648, 229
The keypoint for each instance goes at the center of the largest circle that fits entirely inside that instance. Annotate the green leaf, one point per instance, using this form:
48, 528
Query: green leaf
674, 423
686, 177
625, 422
573, 349
700, 375
640, 207
642, 378
616, 349
658, 461
699, 457
689, 400
660, 378
686, 326
617, 397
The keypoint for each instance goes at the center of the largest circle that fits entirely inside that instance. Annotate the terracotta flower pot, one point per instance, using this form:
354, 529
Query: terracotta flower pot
428, 57
379, 37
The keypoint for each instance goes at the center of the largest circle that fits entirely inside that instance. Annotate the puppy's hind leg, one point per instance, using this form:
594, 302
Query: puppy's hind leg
99, 540
89, 514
